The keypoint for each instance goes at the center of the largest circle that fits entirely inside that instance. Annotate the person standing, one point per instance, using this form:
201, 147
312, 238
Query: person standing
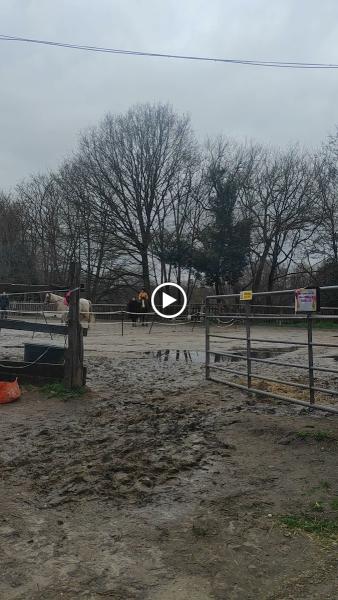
143, 298
133, 310
4, 305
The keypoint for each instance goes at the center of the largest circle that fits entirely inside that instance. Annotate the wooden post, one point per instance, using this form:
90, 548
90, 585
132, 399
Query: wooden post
74, 354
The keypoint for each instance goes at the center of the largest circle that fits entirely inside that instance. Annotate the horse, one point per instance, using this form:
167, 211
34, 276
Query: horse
85, 306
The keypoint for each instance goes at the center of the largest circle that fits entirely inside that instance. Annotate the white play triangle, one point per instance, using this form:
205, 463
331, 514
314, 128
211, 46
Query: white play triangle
167, 300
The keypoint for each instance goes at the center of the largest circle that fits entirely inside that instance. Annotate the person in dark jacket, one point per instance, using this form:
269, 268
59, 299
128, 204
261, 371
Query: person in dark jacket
4, 305
133, 308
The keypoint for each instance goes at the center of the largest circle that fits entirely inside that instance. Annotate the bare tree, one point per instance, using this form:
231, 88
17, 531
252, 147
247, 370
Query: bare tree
279, 204
137, 198
176, 229
86, 222
53, 246
16, 260
325, 243
132, 162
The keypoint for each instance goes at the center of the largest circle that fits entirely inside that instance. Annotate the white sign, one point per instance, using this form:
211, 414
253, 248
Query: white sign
306, 300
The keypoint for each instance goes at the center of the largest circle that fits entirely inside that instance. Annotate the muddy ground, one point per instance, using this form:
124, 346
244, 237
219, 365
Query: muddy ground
158, 485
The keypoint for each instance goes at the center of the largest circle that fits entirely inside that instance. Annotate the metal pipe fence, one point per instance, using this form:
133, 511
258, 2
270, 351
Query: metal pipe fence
252, 377
197, 310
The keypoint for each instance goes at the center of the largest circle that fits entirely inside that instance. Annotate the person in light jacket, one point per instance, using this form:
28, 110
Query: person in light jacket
143, 298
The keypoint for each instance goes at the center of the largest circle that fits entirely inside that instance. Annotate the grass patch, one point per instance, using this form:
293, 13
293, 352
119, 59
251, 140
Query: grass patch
319, 526
324, 485
318, 506
303, 435
323, 436
318, 436
59, 390
334, 504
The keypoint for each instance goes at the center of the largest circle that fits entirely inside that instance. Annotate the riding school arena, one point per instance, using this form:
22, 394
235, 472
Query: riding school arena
199, 462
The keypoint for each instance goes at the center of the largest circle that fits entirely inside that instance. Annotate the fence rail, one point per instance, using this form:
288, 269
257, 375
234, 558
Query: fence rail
245, 378
218, 308
72, 371
103, 312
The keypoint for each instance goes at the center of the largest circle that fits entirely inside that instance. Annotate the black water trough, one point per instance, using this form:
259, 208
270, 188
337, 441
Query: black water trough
7, 377
43, 353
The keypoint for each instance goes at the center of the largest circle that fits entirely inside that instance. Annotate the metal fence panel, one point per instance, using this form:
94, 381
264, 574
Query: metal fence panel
247, 317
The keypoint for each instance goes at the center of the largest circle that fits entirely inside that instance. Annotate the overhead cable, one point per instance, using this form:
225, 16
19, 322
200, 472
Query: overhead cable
237, 61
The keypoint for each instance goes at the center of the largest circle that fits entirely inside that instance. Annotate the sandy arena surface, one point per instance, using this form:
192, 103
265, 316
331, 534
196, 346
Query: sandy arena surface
159, 485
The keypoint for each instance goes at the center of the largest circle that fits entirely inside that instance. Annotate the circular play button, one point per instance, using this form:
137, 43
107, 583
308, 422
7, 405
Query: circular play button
162, 298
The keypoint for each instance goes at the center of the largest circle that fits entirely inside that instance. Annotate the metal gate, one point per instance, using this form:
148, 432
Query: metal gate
311, 381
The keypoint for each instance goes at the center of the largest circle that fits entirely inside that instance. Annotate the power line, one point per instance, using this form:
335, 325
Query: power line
252, 63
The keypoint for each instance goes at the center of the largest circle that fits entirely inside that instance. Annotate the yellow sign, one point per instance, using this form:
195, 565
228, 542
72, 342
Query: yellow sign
246, 295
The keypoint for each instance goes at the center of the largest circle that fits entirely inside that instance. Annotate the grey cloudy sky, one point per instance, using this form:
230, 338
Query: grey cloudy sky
48, 95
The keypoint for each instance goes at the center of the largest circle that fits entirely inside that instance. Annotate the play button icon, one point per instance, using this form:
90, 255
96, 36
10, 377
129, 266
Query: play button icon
160, 300
167, 300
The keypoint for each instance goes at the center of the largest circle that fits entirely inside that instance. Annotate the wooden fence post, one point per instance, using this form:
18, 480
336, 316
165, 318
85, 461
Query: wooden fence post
74, 354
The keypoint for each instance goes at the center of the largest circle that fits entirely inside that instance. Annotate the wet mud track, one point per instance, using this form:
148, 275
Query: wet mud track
160, 486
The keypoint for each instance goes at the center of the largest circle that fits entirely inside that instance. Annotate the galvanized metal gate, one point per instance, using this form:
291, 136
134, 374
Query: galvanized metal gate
221, 330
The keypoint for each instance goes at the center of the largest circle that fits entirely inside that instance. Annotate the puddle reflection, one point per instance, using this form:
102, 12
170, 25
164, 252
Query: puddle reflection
193, 356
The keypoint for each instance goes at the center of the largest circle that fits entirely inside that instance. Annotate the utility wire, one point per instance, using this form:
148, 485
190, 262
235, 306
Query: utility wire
252, 63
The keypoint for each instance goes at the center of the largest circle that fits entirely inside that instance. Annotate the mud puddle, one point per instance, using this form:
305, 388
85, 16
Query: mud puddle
192, 356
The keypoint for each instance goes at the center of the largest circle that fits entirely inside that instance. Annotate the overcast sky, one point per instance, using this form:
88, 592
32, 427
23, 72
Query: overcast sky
48, 95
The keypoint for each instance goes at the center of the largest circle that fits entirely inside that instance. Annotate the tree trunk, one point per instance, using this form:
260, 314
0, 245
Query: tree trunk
259, 272
271, 280
145, 270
